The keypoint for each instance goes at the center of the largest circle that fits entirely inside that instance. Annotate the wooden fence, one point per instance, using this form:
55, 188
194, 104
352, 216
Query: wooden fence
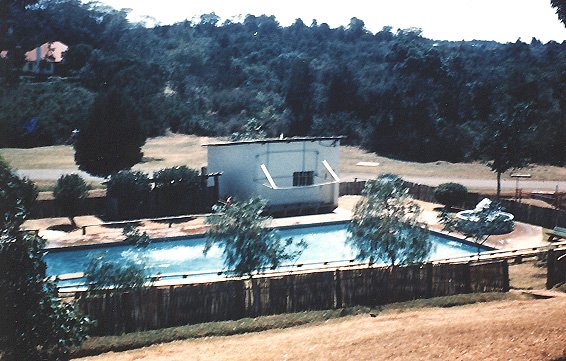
47, 208
556, 268
159, 307
109, 208
540, 216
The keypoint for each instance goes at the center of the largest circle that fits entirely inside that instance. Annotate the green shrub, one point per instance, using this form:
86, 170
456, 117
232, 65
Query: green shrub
130, 189
451, 194
178, 190
69, 193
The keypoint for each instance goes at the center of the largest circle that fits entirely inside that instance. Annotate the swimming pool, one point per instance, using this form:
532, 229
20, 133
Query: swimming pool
326, 243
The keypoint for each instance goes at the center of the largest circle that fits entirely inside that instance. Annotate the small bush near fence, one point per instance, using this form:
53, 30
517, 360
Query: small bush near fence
159, 307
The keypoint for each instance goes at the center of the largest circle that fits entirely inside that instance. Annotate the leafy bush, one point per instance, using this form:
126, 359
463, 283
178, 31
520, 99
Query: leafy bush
248, 245
16, 197
130, 189
133, 236
178, 190
385, 224
69, 193
451, 194
105, 271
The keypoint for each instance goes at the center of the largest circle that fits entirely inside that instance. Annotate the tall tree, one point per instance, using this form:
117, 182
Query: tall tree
560, 7
502, 146
385, 225
342, 91
299, 97
35, 324
248, 244
112, 138
69, 193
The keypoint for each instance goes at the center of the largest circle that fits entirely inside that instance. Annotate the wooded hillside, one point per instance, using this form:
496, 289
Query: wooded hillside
394, 92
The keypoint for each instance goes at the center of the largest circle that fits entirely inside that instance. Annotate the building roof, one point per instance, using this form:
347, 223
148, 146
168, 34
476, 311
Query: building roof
275, 140
51, 52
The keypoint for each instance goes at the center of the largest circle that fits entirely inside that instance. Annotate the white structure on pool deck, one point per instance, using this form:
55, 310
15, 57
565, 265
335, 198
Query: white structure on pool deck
284, 171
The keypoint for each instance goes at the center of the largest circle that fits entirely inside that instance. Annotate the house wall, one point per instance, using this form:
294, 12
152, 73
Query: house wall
242, 176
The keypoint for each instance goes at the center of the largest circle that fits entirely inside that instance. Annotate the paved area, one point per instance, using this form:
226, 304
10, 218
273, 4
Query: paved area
58, 234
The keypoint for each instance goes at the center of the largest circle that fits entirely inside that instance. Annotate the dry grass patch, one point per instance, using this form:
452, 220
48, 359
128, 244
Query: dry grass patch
98, 345
178, 149
527, 275
504, 330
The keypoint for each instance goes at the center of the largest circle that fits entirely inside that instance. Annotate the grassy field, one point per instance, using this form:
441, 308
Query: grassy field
98, 345
517, 329
174, 150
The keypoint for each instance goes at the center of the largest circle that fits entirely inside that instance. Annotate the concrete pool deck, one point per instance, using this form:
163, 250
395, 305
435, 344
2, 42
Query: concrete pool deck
57, 231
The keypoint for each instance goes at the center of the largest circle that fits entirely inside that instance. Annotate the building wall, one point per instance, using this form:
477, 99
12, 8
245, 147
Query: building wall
242, 176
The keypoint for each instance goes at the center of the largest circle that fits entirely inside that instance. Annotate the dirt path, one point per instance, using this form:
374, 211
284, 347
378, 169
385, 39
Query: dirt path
507, 330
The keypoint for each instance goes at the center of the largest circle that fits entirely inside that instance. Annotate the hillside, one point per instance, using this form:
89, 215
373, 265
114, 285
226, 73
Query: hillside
504, 330
392, 92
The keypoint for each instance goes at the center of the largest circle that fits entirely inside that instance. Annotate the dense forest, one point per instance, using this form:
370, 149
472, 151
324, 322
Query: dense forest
393, 92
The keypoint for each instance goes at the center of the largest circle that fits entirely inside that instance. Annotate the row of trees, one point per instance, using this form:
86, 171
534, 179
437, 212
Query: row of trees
394, 92
172, 191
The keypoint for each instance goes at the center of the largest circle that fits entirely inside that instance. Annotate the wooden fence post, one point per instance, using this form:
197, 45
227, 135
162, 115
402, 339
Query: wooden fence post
338, 288
505, 276
550, 268
428, 273
467, 279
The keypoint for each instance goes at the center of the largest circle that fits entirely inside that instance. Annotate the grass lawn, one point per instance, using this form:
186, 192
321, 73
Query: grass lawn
174, 150
98, 345
524, 329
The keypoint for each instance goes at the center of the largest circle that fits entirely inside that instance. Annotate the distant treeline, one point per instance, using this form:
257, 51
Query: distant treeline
393, 92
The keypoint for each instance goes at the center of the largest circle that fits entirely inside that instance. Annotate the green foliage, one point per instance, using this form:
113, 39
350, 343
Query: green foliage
178, 190
38, 114
451, 194
503, 146
131, 190
112, 139
385, 224
248, 245
560, 9
253, 129
17, 195
69, 193
396, 93
36, 324
133, 236
298, 97
484, 223
127, 272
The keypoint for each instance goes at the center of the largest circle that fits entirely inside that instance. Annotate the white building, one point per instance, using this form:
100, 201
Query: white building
290, 173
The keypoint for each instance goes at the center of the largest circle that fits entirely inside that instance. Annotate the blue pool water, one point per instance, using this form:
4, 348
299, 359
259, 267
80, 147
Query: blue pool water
326, 243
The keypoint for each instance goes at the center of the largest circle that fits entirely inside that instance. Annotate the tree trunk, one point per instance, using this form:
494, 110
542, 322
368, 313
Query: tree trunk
498, 185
